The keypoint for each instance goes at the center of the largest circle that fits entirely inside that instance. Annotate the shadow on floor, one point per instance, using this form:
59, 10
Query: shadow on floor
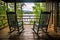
27, 34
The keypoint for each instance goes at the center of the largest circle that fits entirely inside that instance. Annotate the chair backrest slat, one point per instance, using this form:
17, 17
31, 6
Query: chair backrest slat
44, 18
12, 19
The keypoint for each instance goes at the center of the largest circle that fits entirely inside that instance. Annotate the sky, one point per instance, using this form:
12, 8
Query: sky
28, 7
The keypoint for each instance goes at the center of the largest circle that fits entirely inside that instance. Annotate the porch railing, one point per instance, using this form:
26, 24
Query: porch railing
3, 22
28, 20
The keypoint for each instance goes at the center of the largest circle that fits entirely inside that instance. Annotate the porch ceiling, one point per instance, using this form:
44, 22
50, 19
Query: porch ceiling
24, 0
29, 0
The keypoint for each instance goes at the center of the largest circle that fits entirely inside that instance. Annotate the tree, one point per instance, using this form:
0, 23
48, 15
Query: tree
19, 9
2, 8
38, 8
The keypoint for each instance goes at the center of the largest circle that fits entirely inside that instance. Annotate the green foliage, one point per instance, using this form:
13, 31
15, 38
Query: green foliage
2, 9
10, 7
18, 12
31, 22
38, 8
19, 8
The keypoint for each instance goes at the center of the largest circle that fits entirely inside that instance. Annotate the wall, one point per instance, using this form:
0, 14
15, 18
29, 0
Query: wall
49, 8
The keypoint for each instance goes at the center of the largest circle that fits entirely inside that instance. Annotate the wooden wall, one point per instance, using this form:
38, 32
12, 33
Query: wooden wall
49, 8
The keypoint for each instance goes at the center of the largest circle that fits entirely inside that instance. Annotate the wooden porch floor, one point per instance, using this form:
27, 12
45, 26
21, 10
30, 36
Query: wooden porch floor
27, 34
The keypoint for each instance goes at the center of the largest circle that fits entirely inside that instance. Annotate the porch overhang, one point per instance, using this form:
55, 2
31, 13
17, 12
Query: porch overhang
26, 0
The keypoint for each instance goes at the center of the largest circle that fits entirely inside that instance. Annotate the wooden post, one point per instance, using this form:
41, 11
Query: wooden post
15, 6
55, 17
49, 9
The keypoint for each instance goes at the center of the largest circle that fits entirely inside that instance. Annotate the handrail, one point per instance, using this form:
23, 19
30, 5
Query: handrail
29, 18
17, 18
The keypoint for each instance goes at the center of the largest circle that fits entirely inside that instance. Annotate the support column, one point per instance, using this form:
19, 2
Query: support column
55, 17
49, 9
15, 6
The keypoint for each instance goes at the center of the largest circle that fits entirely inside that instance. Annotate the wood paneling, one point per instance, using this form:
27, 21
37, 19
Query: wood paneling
49, 9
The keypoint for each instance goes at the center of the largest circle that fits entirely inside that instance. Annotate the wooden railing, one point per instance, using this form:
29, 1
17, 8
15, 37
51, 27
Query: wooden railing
28, 20
3, 20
